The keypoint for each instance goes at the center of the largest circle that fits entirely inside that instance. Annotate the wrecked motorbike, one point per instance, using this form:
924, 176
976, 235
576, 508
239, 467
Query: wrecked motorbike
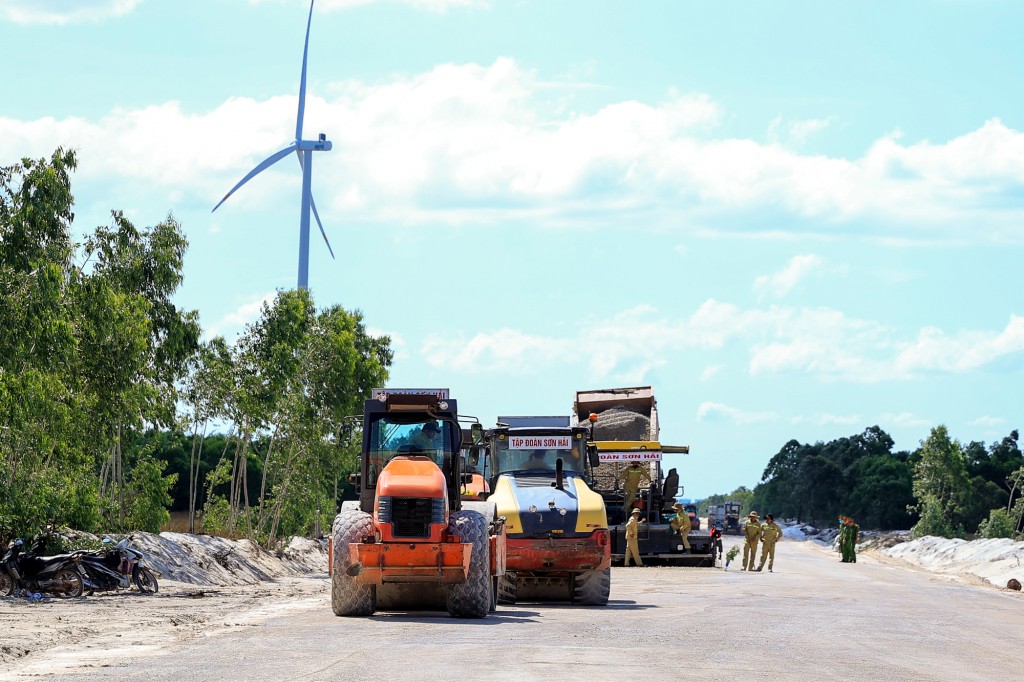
117, 568
60, 574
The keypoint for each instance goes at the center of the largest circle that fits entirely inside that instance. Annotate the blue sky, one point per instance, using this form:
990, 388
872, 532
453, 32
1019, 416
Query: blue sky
795, 220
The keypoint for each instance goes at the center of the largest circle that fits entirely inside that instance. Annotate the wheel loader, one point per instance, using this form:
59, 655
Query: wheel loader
410, 542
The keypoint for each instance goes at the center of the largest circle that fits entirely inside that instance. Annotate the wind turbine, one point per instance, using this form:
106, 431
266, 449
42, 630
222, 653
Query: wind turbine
304, 151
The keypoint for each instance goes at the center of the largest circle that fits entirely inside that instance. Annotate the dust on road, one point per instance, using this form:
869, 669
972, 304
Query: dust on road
813, 619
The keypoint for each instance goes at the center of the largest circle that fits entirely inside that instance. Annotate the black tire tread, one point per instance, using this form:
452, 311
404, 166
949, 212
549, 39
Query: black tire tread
592, 588
349, 598
7, 584
472, 599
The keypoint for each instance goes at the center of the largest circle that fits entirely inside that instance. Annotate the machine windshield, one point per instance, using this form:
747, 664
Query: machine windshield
538, 454
390, 438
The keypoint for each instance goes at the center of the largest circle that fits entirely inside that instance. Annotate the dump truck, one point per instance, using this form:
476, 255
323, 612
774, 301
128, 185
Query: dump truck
625, 429
691, 511
558, 542
410, 542
732, 518
716, 515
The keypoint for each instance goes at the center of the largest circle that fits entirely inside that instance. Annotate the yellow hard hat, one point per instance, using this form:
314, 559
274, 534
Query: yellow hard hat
636, 510
754, 514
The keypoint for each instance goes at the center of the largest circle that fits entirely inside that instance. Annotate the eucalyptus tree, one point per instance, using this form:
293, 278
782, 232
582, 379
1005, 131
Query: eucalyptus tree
941, 484
138, 341
340, 364
207, 391
43, 466
89, 349
297, 374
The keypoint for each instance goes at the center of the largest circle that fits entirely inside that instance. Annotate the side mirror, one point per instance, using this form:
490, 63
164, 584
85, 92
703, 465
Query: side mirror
356, 481
477, 433
595, 457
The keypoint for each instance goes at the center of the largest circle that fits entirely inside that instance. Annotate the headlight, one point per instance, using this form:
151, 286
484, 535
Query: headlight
384, 509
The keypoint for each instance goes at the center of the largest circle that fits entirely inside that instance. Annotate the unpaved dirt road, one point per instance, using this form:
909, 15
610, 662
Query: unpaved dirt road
813, 619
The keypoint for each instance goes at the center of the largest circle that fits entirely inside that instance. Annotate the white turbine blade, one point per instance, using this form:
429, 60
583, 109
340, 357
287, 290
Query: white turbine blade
316, 215
269, 161
302, 81
312, 205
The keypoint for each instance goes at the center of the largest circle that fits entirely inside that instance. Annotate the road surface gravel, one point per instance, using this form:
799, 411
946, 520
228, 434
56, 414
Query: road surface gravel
814, 618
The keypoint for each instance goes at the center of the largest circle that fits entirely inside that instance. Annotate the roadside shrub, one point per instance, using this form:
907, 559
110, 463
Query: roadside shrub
997, 525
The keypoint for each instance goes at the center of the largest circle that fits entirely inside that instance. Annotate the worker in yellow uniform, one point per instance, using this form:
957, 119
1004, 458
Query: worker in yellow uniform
681, 524
631, 477
752, 533
770, 534
632, 549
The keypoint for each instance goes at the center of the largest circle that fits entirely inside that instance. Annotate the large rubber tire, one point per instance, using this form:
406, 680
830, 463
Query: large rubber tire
145, 580
349, 598
472, 599
73, 579
507, 589
592, 588
6, 584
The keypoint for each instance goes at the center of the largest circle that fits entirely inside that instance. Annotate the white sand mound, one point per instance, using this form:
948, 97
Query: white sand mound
207, 560
995, 560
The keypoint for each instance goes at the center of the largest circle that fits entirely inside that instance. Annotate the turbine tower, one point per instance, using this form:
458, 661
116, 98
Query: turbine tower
304, 151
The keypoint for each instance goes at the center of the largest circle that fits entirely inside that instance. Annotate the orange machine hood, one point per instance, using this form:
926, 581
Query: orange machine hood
413, 476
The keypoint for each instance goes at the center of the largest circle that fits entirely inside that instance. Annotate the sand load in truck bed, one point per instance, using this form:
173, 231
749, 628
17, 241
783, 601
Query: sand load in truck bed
622, 423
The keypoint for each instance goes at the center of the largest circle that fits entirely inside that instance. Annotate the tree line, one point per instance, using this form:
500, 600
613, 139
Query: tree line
100, 371
944, 487
113, 408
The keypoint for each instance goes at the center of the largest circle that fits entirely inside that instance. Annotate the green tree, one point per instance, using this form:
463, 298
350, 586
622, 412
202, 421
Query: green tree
89, 353
940, 485
297, 374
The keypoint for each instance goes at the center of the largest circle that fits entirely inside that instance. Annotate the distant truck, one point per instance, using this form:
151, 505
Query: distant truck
626, 430
558, 544
716, 516
691, 511
732, 518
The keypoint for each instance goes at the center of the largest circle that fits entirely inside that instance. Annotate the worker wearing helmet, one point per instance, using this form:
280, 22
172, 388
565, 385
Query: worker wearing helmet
632, 548
752, 533
848, 540
770, 534
426, 439
631, 477
681, 525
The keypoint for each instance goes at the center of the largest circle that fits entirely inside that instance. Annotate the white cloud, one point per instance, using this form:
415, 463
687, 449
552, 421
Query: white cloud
439, 6
781, 283
819, 342
988, 421
399, 346
711, 411
710, 372
903, 419
827, 419
232, 324
60, 12
466, 143
797, 133
934, 350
